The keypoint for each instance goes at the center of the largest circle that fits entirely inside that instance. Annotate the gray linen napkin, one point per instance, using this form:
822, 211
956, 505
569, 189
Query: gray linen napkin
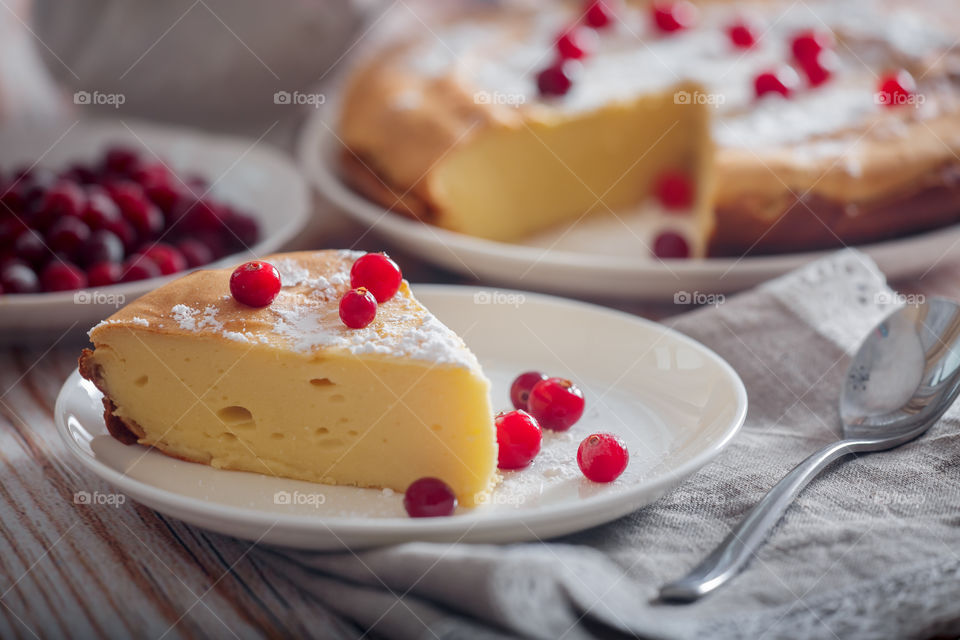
870, 550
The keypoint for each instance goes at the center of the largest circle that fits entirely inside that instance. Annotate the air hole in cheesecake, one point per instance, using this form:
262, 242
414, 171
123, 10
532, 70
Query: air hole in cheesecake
343, 420
330, 443
141, 381
436, 427
353, 432
235, 414
226, 435
322, 431
277, 436
337, 397
322, 382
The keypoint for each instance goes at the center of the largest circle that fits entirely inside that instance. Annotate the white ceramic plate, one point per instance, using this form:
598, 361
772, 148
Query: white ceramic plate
599, 256
258, 180
676, 403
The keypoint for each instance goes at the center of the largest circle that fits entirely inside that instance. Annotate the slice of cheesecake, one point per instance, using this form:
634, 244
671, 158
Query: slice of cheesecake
289, 390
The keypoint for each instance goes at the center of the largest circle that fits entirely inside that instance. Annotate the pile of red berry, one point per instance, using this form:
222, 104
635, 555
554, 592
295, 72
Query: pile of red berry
374, 278
125, 217
540, 402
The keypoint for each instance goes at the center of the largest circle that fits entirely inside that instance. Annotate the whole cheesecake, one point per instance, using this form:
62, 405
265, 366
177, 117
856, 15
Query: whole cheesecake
453, 128
289, 390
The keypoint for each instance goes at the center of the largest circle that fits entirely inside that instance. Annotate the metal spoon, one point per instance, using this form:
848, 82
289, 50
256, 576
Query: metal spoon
905, 375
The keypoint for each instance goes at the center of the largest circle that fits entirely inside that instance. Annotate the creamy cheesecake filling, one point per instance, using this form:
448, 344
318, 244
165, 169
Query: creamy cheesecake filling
505, 183
335, 420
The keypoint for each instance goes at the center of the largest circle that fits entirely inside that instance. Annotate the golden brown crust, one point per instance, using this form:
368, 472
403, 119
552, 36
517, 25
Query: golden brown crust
127, 432
359, 175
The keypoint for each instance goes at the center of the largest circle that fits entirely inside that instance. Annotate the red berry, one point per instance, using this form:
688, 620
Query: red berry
518, 439
62, 276
782, 81
103, 246
196, 253
255, 283
674, 190
139, 267
598, 14
896, 88
67, 235
742, 34
520, 389
575, 43
556, 80
378, 274
556, 403
674, 15
167, 258
820, 67
30, 247
19, 278
807, 44
63, 199
358, 308
100, 210
137, 209
670, 244
121, 160
123, 230
104, 274
602, 457
429, 498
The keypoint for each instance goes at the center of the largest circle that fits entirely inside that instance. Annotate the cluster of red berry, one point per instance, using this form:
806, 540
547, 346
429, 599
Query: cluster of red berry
374, 278
119, 219
540, 402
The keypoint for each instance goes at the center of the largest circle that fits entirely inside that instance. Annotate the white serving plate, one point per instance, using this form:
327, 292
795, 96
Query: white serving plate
600, 256
675, 402
254, 177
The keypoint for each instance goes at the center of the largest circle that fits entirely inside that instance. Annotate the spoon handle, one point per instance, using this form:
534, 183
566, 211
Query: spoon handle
736, 550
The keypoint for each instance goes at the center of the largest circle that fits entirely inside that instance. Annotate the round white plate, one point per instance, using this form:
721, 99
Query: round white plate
676, 403
599, 256
256, 179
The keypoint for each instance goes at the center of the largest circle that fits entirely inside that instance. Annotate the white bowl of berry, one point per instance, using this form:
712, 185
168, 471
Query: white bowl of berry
95, 215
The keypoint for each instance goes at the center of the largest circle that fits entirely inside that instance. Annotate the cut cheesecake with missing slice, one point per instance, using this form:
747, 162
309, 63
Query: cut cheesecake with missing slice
289, 390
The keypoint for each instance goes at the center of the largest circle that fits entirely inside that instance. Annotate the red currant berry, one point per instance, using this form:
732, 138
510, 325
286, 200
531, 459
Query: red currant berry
674, 190
104, 274
896, 89
518, 439
196, 253
807, 44
556, 80
742, 34
378, 274
782, 81
255, 283
820, 67
30, 247
62, 276
598, 14
139, 267
674, 15
167, 258
576, 43
602, 457
520, 389
670, 244
358, 308
429, 498
67, 235
100, 210
19, 278
556, 403
120, 160
103, 246
63, 199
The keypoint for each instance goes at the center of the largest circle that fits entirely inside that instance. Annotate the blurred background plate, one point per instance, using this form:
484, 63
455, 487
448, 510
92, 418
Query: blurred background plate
248, 174
597, 258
